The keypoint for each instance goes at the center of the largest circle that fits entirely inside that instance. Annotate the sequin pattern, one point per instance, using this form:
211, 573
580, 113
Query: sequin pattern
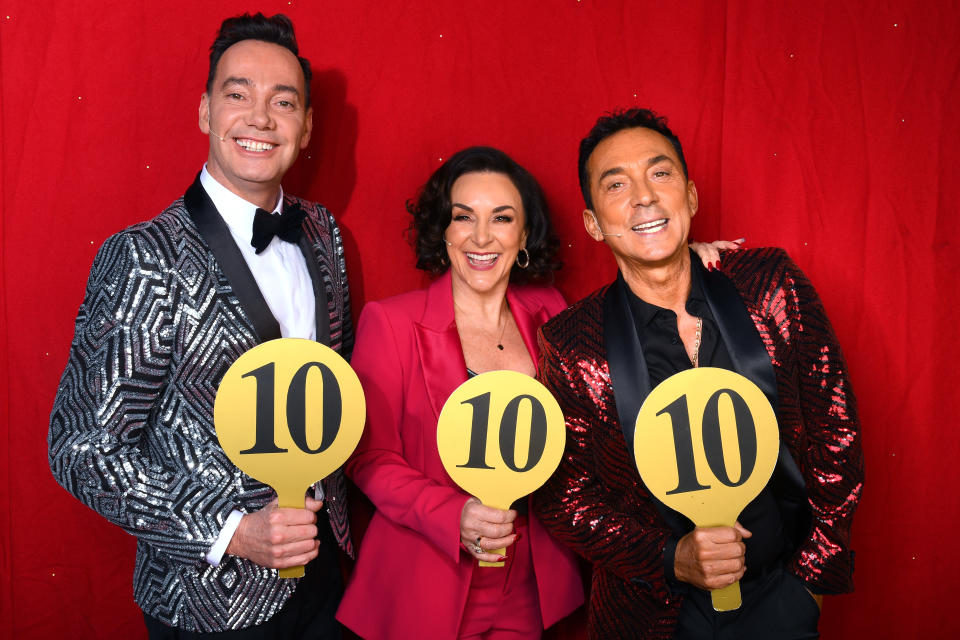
595, 502
131, 432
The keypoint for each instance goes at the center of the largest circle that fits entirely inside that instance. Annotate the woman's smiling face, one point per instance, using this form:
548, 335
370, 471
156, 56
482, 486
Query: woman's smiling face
487, 229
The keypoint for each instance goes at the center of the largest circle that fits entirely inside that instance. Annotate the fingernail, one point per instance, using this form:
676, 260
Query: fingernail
710, 266
501, 558
519, 535
718, 263
740, 241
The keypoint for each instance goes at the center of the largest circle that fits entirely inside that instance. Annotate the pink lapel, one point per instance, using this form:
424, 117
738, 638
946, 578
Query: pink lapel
438, 344
529, 315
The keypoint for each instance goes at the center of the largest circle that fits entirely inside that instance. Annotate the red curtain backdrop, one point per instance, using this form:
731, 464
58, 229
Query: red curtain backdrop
821, 127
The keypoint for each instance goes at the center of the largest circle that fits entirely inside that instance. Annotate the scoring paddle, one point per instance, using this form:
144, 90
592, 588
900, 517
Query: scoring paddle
705, 444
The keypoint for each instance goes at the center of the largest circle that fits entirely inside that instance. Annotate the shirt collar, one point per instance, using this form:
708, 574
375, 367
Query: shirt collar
644, 312
235, 211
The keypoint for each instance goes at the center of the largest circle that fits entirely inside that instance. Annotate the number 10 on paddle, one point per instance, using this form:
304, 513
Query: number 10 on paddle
500, 436
289, 412
705, 444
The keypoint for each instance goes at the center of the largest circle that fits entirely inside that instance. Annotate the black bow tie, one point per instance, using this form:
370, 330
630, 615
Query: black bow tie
285, 226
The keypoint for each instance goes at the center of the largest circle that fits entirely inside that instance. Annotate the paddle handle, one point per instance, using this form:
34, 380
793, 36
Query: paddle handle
499, 563
292, 499
292, 572
727, 598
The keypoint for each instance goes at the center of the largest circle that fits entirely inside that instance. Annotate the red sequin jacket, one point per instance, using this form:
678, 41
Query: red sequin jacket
778, 335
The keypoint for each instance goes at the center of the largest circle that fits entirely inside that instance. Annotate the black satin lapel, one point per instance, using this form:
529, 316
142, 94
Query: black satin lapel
630, 379
319, 290
790, 492
628, 367
739, 333
751, 360
217, 236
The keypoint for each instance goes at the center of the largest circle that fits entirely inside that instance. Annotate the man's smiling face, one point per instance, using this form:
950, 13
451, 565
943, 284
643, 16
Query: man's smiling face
256, 119
640, 192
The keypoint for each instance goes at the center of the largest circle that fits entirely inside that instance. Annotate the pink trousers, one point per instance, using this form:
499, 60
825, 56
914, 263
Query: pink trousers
503, 603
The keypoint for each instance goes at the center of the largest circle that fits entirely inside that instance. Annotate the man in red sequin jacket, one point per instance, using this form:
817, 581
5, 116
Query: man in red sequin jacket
758, 315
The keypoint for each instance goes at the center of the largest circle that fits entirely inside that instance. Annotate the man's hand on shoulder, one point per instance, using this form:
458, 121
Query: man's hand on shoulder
711, 557
278, 538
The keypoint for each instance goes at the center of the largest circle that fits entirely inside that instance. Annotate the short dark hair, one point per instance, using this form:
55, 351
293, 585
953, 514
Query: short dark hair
432, 212
276, 30
616, 121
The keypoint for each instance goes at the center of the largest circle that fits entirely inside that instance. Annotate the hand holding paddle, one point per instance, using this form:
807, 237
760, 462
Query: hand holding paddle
500, 436
288, 412
705, 444
711, 557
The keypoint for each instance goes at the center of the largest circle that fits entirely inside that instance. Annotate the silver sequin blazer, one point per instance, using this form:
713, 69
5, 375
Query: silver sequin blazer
131, 432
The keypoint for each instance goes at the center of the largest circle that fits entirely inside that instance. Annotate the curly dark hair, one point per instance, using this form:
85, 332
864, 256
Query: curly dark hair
276, 30
609, 124
432, 212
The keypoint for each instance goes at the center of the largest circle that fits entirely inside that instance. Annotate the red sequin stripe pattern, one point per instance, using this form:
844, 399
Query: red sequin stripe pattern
595, 502
817, 411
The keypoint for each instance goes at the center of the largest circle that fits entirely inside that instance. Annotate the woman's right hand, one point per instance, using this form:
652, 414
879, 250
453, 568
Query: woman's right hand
486, 528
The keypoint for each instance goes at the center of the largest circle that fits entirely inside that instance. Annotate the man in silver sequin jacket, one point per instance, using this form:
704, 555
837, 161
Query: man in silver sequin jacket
169, 305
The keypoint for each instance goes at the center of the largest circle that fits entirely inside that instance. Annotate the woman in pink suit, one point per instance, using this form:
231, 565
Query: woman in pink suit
481, 225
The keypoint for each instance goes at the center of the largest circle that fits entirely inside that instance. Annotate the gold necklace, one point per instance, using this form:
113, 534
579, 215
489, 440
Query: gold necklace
502, 331
696, 344
503, 324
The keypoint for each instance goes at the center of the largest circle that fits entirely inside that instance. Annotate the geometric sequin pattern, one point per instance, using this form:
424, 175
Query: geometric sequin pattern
131, 432
595, 503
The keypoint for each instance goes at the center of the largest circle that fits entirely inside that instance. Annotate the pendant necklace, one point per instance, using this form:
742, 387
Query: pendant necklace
502, 331
503, 326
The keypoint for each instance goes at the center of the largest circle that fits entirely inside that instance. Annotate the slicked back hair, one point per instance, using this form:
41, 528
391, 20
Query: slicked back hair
614, 122
276, 30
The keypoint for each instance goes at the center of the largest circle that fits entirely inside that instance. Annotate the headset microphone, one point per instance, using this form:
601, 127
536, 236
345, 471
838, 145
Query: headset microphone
215, 135
597, 222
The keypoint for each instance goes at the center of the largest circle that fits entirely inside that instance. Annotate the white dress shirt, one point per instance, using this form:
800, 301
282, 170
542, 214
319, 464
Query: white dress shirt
280, 270
282, 277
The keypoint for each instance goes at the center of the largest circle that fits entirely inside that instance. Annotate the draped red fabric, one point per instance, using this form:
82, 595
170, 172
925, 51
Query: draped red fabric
821, 127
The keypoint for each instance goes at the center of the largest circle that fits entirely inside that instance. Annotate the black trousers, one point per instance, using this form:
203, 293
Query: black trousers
776, 606
307, 615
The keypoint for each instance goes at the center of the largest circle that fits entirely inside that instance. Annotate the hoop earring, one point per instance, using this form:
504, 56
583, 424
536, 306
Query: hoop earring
526, 256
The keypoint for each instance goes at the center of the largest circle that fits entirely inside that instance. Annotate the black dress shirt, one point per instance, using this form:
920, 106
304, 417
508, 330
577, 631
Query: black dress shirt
665, 355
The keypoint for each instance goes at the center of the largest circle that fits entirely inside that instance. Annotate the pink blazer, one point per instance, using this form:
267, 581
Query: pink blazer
411, 579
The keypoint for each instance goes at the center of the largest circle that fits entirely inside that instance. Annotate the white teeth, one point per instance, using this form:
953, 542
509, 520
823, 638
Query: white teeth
650, 227
253, 145
483, 257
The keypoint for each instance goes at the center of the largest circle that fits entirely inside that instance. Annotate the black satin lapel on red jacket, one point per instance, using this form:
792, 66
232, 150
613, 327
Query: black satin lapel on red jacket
629, 378
750, 357
751, 360
628, 367
319, 289
217, 236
